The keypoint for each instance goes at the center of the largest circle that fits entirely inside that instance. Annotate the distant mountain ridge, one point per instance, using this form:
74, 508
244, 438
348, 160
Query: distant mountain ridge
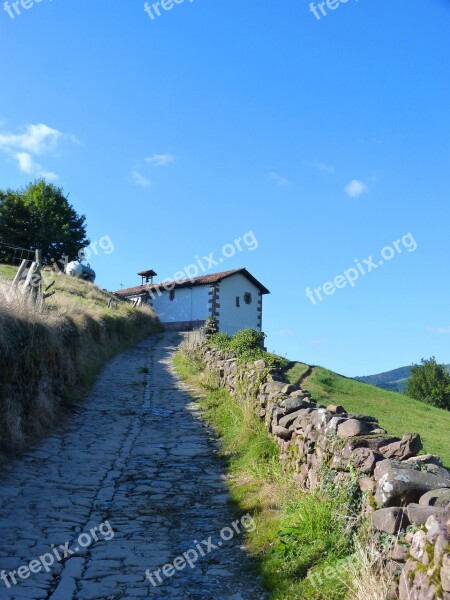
393, 381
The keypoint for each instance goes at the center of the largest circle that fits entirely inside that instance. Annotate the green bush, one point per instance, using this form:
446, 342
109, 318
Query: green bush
221, 340
247, 340
247, 346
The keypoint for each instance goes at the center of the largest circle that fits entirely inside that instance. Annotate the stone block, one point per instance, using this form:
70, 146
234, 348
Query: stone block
389, 520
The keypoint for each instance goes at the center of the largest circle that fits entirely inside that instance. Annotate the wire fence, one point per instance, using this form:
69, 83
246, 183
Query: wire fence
12, 255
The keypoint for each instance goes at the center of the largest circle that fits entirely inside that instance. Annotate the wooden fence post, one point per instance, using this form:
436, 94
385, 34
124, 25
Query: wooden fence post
37, 288
19, 273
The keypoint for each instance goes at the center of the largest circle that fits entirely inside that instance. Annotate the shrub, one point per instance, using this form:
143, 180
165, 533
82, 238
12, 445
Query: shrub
247, 340
247, 346
430, 383
221, 340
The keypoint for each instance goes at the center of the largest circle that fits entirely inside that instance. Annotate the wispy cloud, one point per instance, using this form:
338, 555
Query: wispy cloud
356, 188
156, 160
278, 179
34, 140
28, 165
320, 166
160, 160
140, 179
440, 330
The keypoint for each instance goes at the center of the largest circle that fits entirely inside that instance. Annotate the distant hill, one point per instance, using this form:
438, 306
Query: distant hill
393, 381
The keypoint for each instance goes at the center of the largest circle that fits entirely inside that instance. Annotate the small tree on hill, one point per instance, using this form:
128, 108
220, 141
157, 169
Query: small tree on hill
430, 383
40, 216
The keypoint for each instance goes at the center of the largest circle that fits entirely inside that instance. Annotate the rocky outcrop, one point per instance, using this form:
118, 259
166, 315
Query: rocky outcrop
399, 488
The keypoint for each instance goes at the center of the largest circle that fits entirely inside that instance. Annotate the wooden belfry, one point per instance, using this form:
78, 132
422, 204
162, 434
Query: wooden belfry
147, 276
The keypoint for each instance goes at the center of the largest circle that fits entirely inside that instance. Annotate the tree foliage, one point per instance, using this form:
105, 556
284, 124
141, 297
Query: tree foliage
430, 383
40, 216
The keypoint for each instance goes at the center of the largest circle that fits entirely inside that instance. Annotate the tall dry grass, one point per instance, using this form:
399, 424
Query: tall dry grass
369, 576
49, 354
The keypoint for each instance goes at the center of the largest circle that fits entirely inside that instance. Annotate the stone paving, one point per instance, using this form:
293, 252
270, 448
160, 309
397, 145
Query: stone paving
137, 464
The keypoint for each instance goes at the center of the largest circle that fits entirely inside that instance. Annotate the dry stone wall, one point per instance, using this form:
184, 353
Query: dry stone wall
404, 493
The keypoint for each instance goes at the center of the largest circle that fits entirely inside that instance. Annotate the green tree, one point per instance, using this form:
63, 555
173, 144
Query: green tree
14, 224
40, 216
430, 383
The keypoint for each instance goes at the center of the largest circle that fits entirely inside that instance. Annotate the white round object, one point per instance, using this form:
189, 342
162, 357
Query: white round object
75, 269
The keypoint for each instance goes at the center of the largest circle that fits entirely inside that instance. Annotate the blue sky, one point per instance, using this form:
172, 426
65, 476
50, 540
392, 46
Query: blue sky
327, 138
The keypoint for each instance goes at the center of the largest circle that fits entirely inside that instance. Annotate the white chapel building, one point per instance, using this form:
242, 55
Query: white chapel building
234, 297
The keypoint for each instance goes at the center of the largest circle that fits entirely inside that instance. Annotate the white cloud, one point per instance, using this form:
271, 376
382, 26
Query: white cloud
140, 180
281, 181
36, 140
356, 188
160, 160
27, 165
320, 166
440, 330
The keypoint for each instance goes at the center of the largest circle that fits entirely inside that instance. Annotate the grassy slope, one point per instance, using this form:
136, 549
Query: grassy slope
48, 357
397, 413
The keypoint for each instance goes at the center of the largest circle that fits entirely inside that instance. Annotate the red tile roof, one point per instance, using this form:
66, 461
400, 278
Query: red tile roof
201, 280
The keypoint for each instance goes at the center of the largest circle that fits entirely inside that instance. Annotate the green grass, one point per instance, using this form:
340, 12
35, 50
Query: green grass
296, 371
7, 272
296, 533
397, 413
311, 537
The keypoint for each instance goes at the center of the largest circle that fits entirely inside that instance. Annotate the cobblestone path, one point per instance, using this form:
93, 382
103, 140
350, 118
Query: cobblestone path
125, 486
